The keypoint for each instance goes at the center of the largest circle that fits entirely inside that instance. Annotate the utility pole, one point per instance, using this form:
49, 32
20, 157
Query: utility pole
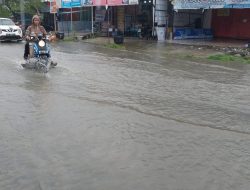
71, 23
92, 20
107, 9
22, 13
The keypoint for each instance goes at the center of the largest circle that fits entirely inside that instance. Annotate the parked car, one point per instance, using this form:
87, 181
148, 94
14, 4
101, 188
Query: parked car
9, 31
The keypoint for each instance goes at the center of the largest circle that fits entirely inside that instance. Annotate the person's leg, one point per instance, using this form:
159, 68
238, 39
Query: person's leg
26, 50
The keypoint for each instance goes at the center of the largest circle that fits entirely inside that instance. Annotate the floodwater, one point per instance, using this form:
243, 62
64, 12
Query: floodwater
107, 119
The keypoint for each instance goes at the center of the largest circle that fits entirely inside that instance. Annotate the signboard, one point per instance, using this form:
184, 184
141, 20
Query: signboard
192, 33
71, 3
100, 15
87, 2
133, 2
114, 2
99, 2
110, 2
197, 4
130, 2
53, 6
210, 4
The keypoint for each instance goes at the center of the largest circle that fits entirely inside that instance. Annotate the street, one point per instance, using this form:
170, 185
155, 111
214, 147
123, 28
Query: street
109, 119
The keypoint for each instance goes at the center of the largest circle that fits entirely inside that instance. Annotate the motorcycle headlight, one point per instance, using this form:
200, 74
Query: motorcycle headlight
41, 43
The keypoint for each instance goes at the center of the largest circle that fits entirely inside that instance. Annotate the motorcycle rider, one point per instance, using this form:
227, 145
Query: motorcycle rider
35, 28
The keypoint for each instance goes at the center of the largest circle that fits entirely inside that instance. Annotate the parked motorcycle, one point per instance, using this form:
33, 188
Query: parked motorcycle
39, 54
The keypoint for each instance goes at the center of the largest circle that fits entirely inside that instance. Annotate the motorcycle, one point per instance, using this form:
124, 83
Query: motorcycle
39, 54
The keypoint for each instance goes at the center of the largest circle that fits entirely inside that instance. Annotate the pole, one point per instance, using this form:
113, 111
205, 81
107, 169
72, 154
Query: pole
71, 23
108, 22
153, 31
107, 9
92, 20
22, 13
55, 22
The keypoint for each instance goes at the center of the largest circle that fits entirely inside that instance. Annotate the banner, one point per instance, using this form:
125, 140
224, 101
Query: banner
114, 2
192, 33
198, 4
71, 3
133, 2
53, 6
99, 2
87, 2
210, 4
110, 2
100, 15
79, 3
237, 4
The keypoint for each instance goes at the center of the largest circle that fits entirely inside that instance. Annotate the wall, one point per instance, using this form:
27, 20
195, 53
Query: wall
231, 23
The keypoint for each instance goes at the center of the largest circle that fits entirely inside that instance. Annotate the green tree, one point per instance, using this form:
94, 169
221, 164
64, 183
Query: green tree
12, 7
33, 6
4, 12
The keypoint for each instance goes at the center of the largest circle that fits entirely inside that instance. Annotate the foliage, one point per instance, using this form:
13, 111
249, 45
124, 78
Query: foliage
4, 12
33, 6
114, 46
12, 7
227, 58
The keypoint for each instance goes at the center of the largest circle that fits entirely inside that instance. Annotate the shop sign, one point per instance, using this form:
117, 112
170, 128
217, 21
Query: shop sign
114, 2
100, 15
99, 2
71, 3
210, 4
53, 7
87, 2
130, 2
197, 4
133, 2
110, 2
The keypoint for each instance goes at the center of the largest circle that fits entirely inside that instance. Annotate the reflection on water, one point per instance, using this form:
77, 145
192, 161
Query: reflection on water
108, 119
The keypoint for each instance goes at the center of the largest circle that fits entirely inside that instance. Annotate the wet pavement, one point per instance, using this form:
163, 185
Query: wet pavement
123, 119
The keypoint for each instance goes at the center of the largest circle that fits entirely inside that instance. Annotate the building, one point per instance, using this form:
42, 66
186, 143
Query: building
204, 19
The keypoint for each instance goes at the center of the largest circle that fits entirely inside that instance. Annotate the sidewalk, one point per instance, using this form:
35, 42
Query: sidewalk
220, 43
213, 42
200, 46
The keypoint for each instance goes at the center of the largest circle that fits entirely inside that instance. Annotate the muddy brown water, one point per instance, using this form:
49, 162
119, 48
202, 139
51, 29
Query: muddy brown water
107, 119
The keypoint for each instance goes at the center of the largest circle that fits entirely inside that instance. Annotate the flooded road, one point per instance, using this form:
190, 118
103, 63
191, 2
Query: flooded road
106, 119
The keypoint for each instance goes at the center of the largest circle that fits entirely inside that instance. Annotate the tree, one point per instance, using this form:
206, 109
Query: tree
4, 12
33, 6
12, 7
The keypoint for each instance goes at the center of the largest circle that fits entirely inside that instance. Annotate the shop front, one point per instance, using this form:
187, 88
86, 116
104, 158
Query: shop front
231, 23
107, 17
212, 18
128, 17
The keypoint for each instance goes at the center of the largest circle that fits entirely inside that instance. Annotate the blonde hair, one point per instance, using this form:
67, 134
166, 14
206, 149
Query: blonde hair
35, 17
